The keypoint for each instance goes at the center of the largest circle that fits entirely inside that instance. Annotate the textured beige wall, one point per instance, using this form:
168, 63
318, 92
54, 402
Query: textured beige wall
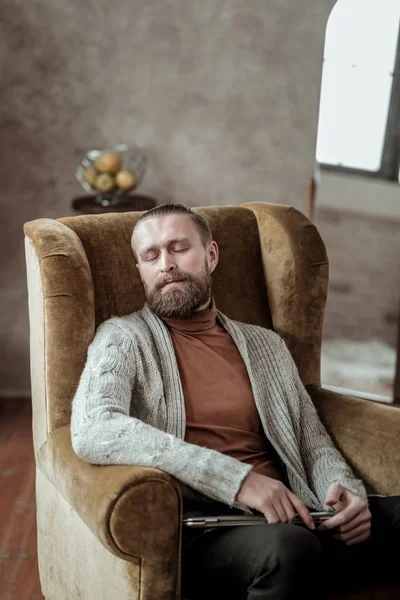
222, 95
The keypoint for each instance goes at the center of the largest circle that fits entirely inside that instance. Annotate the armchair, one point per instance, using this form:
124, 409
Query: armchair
115, 531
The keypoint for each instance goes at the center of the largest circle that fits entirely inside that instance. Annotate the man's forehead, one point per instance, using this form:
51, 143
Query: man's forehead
161, 230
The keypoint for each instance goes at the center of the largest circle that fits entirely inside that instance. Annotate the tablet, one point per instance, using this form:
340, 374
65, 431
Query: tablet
236, 520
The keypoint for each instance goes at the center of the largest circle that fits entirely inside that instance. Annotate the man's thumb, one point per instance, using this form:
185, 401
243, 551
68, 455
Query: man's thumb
334, 493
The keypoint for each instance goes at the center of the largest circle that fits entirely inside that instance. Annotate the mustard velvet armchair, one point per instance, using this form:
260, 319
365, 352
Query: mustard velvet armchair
115, 531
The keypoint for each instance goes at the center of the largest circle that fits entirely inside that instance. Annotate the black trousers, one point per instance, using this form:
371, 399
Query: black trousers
282, 561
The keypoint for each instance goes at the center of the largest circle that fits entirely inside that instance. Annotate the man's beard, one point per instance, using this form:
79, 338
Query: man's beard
180, 302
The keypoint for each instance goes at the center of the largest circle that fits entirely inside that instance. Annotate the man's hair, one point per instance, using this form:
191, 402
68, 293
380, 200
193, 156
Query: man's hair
179, 209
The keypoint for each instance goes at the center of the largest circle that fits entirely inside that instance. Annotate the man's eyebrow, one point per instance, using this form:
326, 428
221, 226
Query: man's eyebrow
183, 240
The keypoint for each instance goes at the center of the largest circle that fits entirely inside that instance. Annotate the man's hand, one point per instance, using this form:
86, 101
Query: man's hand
353, 518
272, 498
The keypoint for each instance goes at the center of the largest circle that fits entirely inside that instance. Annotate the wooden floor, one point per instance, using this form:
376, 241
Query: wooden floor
19, 577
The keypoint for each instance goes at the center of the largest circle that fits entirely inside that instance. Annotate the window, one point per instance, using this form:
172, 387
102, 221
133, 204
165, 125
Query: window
356, 89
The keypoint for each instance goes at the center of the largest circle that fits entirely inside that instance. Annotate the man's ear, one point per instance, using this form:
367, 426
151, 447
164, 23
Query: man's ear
213, 255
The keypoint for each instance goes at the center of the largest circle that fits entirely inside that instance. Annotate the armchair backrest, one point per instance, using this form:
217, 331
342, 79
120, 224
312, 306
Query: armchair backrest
273, 271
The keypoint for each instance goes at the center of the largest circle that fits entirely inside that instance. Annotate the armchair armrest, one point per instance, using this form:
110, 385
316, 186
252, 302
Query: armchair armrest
133, 511
366, 433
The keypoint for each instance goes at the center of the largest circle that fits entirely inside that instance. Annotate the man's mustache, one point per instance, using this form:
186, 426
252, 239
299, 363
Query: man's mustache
166, 280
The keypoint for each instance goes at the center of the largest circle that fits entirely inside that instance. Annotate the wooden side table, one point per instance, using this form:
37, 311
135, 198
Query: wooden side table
90, 204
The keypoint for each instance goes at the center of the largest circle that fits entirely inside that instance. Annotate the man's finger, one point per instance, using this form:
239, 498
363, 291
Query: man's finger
280, 511
354, 533
358, 540
270, 514
302, 510
358, 520
334, 493
291, 513
341, 518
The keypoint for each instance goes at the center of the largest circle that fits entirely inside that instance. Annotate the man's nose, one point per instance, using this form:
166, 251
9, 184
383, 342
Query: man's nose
167, 264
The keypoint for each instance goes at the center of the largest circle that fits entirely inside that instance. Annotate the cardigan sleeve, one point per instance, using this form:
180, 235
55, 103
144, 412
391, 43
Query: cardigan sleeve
104, 433
323, 462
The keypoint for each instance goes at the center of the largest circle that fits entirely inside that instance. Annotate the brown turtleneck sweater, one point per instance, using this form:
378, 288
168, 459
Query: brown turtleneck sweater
220, 410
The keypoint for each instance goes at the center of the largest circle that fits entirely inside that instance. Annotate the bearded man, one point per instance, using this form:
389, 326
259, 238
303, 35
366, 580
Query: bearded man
220, 406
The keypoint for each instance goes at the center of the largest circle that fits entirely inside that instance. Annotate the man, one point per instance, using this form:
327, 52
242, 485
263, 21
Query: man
220, 406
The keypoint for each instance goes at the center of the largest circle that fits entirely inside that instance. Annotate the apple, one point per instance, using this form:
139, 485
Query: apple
125, 180
105, 182
109, 162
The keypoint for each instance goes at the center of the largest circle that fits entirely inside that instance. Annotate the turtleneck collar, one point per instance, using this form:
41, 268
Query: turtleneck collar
202, 320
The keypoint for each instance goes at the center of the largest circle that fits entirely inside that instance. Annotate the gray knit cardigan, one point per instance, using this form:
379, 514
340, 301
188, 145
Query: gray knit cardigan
129, 409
